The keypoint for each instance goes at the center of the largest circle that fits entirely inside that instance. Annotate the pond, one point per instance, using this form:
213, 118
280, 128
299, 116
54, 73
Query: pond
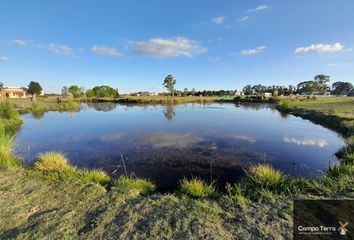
165, 143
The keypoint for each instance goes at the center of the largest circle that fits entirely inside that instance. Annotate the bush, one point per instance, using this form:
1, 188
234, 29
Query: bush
52, 162
96, 176
236, 193
265, 177
133, 186
7, 157
196, 188
56, 165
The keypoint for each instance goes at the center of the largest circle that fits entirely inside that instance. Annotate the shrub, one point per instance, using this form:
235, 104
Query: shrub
52, 162
7, 157
196, 188
56, 165
265, 177
133, 186
8, 112
339, 170
236, 193
96, 176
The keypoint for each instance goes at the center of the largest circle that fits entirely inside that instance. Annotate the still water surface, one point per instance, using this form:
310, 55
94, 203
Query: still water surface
166, 143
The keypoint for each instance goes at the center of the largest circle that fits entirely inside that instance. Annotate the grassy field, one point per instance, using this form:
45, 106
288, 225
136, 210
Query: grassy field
336, 113
54, 200
43, 104
342, 107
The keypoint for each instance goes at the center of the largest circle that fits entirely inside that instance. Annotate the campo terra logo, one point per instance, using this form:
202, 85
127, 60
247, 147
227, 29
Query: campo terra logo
343, 228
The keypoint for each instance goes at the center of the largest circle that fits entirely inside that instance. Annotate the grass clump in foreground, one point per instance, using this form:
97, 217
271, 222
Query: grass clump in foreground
55, 164
133, 186
196, 188
7, 157
9, 116
265, 177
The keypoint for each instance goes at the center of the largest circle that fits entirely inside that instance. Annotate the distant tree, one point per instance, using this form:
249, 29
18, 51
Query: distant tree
169, 84
247, 90
34, 88
185, 91
318, 84
76, 91
102, 92
90, 93
339, 87
65, 91
193, 91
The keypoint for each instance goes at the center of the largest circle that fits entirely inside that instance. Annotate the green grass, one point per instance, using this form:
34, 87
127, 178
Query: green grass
196, 188
167, 99
265, 177
336, 113
55, 165
43, 104
56, 200
7, 157
133, 186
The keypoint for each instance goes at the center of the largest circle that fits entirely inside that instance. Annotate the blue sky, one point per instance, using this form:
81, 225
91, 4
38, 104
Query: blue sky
132, 45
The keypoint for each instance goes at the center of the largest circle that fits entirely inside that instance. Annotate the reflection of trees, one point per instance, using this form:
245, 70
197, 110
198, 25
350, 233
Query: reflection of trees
104, 107
169, 112
38, 114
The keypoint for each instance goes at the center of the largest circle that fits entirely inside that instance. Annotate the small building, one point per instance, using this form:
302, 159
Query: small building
266, 94
14, 92
239, 93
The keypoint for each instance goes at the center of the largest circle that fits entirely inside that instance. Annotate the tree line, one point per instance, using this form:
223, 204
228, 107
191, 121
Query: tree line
103, 91
319, 84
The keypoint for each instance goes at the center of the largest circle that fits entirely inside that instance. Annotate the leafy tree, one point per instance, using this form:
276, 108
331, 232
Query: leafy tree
339, 87
76, 91
247, 90
317, 85
102, 92
169, 84
65, 91
34, 88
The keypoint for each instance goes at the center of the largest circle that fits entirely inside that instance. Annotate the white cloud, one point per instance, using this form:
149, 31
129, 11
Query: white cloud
259, 8
160, 48
3, 59
253, 51
174, 140
106, 51
243, 19
244, 138
218, 20
61, 49
19, 42
307, 142
325, 48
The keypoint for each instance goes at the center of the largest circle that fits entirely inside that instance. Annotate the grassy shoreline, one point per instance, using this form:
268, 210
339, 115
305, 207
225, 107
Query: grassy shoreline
56, 200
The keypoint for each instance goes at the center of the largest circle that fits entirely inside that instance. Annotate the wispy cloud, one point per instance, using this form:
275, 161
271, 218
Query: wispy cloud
244, 138
243, 19
218, 20
259, 8
19, 42
3, 59
61, 49
253, 51
311, 142
321, 48
161, 48
106, 51
174, 140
